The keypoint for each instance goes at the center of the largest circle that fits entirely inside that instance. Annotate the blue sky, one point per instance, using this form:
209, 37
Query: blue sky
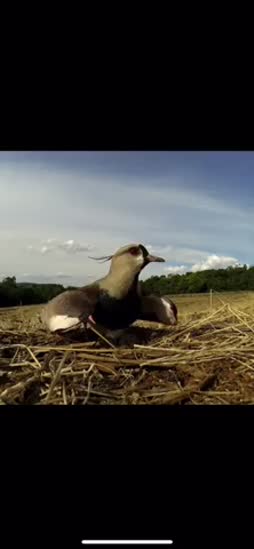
57, 208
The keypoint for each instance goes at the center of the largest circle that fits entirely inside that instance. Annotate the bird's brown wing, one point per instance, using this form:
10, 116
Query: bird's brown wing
72, 304
149, 306
158, 309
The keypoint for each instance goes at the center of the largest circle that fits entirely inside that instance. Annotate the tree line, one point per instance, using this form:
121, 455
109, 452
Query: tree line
13, 293
221, 280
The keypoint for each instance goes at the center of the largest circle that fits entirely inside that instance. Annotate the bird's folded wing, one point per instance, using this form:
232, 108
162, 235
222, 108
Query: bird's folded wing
70, 309
148, 308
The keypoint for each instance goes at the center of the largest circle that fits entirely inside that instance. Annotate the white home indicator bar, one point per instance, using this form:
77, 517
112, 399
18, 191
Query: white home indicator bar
127, 542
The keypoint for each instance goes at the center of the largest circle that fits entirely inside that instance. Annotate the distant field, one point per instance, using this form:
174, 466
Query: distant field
190, 303
24, 308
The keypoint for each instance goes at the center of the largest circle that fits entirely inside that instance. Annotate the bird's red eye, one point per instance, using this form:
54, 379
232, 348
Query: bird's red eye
134, 251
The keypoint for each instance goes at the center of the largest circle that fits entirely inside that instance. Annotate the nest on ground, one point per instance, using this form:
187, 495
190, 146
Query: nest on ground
206, 359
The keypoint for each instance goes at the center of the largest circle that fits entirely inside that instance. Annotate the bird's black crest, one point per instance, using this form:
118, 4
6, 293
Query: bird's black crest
144, 250
102, 259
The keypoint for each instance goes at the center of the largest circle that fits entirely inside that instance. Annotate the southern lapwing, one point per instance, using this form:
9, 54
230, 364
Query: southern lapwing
113, 302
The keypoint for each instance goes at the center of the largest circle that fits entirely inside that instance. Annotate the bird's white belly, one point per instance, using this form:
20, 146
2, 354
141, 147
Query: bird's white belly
62, 322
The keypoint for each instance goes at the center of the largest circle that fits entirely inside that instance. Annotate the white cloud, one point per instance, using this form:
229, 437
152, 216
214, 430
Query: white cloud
60, 274
210, 262
215, 262
177, 269
45, 249
68, 246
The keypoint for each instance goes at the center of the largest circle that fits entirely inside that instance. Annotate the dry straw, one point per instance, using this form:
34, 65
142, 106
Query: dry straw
207, 359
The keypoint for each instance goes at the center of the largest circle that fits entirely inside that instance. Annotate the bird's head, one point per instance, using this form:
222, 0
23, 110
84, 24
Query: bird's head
133, 257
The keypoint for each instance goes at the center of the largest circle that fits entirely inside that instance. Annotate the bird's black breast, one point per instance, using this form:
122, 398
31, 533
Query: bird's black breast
115, 313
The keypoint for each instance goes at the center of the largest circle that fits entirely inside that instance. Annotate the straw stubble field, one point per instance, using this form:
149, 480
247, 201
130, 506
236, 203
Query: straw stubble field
208, 358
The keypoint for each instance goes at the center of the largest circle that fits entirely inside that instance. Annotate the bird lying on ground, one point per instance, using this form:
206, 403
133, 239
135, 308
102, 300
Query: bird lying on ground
158, 309
112, 303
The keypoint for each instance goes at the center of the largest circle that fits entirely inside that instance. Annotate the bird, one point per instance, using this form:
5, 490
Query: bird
113, 302
158, 309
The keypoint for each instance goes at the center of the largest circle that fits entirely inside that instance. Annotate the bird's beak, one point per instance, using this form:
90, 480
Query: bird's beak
154, 258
